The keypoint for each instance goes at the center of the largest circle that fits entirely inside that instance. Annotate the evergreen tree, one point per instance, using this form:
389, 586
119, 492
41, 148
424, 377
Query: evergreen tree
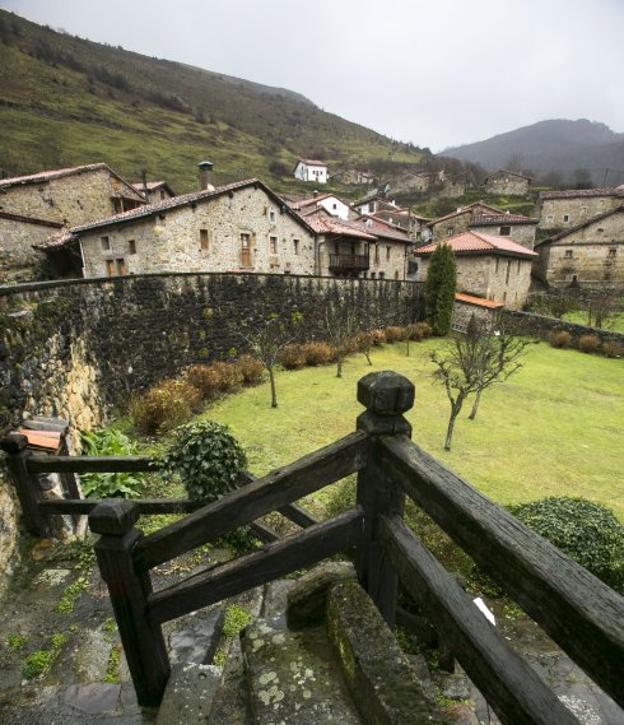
440, 289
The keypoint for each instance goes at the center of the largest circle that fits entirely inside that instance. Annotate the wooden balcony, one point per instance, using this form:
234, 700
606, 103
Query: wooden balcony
348, 262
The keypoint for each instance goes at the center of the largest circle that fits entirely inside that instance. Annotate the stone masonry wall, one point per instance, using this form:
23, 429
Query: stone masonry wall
542, 326
522, 233
577, 210
507, 184
16, 252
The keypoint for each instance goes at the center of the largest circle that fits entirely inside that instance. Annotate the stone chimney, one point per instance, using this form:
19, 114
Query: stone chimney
205, 174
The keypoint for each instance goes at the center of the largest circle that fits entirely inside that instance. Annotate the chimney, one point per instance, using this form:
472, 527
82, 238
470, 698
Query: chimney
145, 189
205, 173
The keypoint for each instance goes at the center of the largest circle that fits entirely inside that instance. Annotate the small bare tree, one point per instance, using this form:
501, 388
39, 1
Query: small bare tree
602, 305
267, 339
474, 362
340, 325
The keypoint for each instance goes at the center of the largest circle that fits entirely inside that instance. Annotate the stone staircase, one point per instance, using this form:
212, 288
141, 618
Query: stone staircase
318, 652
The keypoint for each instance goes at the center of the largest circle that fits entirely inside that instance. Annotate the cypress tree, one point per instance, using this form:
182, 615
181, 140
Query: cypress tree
440, 289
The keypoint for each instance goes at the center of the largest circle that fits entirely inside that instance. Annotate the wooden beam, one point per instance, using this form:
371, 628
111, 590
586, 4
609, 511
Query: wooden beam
272, 561
89, 464
509, 684
298, 515
581, 613
269, 493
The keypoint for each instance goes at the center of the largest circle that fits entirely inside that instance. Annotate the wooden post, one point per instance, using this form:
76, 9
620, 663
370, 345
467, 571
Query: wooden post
27, 485
143, 642
386, 396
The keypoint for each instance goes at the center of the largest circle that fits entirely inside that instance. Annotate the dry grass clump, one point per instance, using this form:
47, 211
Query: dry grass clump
560, 338
588, 343
165, 406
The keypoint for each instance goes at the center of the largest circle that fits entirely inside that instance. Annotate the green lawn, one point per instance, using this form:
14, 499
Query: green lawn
555, 428
615, 323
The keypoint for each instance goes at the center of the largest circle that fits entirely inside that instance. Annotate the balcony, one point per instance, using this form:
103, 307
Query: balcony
348, 263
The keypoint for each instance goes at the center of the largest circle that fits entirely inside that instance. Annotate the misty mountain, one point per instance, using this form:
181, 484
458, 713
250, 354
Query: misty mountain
557, 145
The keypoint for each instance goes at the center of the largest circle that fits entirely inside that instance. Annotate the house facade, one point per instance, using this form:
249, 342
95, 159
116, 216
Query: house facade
389, 253
332, 204
354, 177
590, 255
311, 170
458, 221
518, 227
559, 210
154, 191
491, 267
242, 227
507, 183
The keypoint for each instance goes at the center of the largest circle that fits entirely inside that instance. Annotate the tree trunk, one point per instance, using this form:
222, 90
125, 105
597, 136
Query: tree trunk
368, 357
339, 366
407, 347
273, 391
455, 410
475, 406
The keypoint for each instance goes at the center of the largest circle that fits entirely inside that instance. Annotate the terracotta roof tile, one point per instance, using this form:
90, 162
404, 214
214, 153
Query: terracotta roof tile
324, 223
477, 242
478, 301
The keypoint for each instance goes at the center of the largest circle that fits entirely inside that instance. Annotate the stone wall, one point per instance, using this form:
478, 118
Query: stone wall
507, 184
17, 235
553, 212
542, 326
524, 234
74, 349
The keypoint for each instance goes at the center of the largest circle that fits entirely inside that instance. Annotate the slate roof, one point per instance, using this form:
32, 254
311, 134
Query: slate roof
510, 173
159, 207
582, 225
311, 162
496, 219
471, 208
151, 186
581, 193
479, 243
382, 228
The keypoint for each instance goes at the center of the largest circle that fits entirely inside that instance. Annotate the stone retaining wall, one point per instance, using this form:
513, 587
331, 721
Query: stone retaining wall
542, 326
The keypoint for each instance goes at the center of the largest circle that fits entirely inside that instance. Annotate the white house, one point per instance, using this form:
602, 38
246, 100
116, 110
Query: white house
332, 204
311, 170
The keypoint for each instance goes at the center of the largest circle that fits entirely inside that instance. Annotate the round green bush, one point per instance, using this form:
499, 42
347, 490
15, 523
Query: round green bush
587, 532
207, 459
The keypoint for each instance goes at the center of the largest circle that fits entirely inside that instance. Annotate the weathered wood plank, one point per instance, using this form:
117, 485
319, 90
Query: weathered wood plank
581, 613
272, 561
269, 493
298, 515
509, 684
89, 464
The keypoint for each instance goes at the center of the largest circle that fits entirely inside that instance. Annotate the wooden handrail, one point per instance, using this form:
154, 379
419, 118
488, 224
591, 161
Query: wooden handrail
264, 495
510, 685
90, 464
272, 561
581, 613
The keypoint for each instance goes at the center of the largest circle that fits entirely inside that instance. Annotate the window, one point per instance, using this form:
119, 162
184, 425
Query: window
388, 248
566, 218
334, 206
121, 266
296, 246
105, 242
131, 246
376, 253
568, 254
273, 245
550, 218
504, 296
450, 230
382, 275
245, 249
508, 270
496, 269
505, 231
518, 267
371, 207
272, 216
612, 252
110, 268
396, 274
162, 194
373, 275
203, 239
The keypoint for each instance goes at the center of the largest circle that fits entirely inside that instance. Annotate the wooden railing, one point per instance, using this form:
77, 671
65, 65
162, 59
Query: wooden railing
345, 262
577, 610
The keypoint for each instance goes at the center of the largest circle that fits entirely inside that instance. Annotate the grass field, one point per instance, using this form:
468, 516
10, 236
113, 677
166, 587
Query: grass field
615, 323
555, 428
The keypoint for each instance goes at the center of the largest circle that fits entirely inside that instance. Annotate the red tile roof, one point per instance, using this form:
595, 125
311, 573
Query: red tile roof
382, 228
324, 223
479, 243
580, 193
164, 205
478, 301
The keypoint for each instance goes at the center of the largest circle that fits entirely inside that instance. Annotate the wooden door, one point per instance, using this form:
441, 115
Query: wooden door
245, 250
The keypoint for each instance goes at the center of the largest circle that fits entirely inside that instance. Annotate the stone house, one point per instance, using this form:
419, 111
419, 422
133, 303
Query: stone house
390, 252
460, 220
332, 204
468, 306
311, 170
517, 226
32, 205
450, 188
242, 227
495, 268
590, 254
154, 191
415, 181
354, 177
507, 183
563, 209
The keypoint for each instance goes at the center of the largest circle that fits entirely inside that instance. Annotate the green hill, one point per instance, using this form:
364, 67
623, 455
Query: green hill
65, 101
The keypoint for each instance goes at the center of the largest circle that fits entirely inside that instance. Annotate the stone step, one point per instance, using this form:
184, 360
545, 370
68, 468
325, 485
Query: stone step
230, 704
293, 677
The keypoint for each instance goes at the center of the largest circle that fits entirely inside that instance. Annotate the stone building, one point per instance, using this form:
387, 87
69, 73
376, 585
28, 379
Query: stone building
517, 226
354, 177
389, 253
563, 209
495, 268
507, 183
589, 255
33, 204
154, 191
460, 220
467, 307
243, 227
311, 170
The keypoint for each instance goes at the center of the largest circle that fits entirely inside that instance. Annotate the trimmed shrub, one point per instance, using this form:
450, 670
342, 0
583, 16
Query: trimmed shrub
251, 369
413, 333
292, 356
588, 343
206, 458
612, 348
560, 338
395, 333
229, 376
165, 406
379, 337
424, 329
205, 378
319, 353
587, 532
363, 341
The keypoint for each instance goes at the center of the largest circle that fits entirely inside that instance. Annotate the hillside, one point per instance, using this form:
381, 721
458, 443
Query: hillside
65, 100
559, 146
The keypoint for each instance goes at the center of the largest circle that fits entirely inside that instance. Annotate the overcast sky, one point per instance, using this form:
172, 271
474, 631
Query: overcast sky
435, 72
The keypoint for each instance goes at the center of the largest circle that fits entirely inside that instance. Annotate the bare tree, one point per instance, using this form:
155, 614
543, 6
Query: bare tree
472, 363
267, 339
340, 325
603, 304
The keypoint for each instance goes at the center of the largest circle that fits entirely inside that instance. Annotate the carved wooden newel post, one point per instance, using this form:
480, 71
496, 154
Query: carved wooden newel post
386, 395
143, 642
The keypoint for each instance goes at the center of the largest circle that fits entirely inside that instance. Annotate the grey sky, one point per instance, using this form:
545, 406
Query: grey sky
435, 72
